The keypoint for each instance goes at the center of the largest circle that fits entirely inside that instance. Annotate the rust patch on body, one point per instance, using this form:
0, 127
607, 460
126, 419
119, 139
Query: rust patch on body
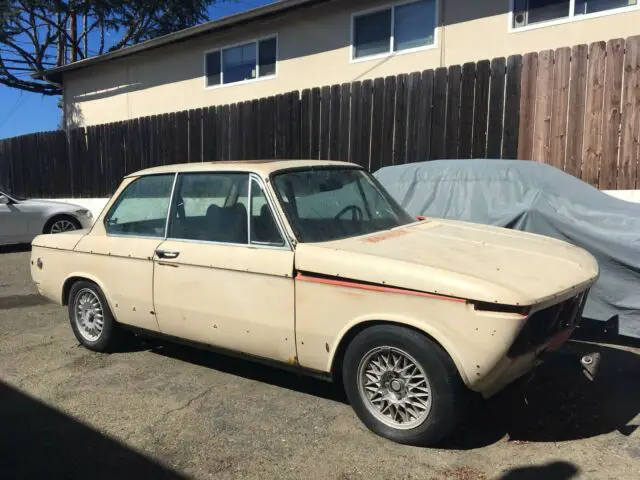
381, 237
293, 360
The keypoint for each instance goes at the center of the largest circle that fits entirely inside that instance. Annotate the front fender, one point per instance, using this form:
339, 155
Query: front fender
435, 334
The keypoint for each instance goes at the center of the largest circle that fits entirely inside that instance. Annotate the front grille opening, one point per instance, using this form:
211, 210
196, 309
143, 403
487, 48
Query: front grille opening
544, 324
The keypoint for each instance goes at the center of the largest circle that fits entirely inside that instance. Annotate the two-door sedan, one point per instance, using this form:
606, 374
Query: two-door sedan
312, 265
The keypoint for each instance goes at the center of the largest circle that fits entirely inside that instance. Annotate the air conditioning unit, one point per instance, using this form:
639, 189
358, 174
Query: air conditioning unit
519, 18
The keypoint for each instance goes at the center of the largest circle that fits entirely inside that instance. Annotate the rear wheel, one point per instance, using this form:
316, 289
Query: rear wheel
403, 386
62, 224
91, 319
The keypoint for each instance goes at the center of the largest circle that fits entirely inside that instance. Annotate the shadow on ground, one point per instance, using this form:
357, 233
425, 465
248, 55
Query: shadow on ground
14, 248
558, 404
551, 471
250, 370
22, 301
40, 442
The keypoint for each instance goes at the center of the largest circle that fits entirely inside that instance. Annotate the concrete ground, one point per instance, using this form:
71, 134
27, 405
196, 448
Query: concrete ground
163, 411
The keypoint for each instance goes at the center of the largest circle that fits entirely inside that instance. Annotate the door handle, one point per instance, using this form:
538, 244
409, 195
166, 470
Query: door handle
167, 254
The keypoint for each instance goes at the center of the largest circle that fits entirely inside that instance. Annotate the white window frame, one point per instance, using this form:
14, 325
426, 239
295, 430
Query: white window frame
391, 52
570, 19
221, 50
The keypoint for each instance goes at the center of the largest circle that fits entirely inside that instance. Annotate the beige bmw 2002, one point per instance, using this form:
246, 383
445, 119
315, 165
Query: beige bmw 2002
312, 265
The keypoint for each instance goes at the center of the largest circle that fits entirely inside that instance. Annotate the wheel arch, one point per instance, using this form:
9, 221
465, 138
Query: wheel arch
353, 329
73, 278
58, 216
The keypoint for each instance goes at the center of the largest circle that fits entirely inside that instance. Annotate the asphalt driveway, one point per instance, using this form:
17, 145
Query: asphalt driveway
163, 411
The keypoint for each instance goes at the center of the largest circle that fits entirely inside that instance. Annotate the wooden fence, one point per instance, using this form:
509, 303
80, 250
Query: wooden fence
578, 109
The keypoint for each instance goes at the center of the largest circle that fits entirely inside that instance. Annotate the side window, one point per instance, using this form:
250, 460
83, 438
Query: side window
211, 207
141, 209
264, 230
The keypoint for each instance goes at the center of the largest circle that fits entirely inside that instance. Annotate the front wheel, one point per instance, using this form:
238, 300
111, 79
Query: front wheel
91, 319
402, 385
62, 224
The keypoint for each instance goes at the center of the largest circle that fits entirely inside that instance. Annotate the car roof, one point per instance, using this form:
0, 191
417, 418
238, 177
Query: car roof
261, 167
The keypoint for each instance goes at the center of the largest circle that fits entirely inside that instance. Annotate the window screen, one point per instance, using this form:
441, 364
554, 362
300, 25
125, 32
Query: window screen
267, 52
240, 63
372, 33
414, 25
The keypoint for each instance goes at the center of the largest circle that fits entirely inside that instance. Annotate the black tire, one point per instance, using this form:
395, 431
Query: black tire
449, 396
109, 338
52, 221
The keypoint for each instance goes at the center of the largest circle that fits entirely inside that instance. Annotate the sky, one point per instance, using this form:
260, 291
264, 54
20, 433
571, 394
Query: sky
22, 112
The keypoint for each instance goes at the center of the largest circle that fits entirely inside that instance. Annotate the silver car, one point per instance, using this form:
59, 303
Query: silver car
22, 220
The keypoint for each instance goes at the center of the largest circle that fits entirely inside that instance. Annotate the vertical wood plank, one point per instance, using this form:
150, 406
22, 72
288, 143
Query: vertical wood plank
466, 109
295, 125
495, 126
612, 111
334, 136
630, 131
592, 146
325, 121
510, 138
345, 116
412, 90
305, 126
542, 116
577, 98
527, 105
355, 123
481, 109
452, 136
560, 107
388, 120
377, 124
224, 132
209, 134
314, 131
195, 135
364, 150
438, 146
400, 124
424, 115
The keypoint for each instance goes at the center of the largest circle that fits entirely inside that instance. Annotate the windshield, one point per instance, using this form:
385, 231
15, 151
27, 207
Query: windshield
324, 204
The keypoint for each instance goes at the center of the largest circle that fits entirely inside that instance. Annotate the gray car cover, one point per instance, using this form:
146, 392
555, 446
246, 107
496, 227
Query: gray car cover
537, 198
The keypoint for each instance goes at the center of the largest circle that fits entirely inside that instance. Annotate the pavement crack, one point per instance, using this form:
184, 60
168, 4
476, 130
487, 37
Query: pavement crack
186, 405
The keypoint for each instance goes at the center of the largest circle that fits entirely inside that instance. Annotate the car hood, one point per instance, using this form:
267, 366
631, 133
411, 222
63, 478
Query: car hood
458, 259
53, 204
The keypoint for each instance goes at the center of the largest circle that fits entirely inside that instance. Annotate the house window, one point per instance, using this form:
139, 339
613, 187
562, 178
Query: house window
401, 27
241, 63
531, 12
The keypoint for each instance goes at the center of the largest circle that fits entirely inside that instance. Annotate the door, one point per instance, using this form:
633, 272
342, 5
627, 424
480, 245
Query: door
223, 277
119, 250
13, 222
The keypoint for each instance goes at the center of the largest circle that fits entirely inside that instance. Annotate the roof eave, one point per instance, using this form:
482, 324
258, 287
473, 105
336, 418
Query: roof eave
55, 75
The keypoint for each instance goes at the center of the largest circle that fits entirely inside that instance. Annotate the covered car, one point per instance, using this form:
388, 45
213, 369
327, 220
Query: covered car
537, 198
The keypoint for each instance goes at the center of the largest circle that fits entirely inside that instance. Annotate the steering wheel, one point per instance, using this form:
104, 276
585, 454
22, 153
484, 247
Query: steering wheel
356, 214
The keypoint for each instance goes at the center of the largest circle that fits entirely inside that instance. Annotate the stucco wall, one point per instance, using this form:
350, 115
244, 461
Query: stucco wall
314, 50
